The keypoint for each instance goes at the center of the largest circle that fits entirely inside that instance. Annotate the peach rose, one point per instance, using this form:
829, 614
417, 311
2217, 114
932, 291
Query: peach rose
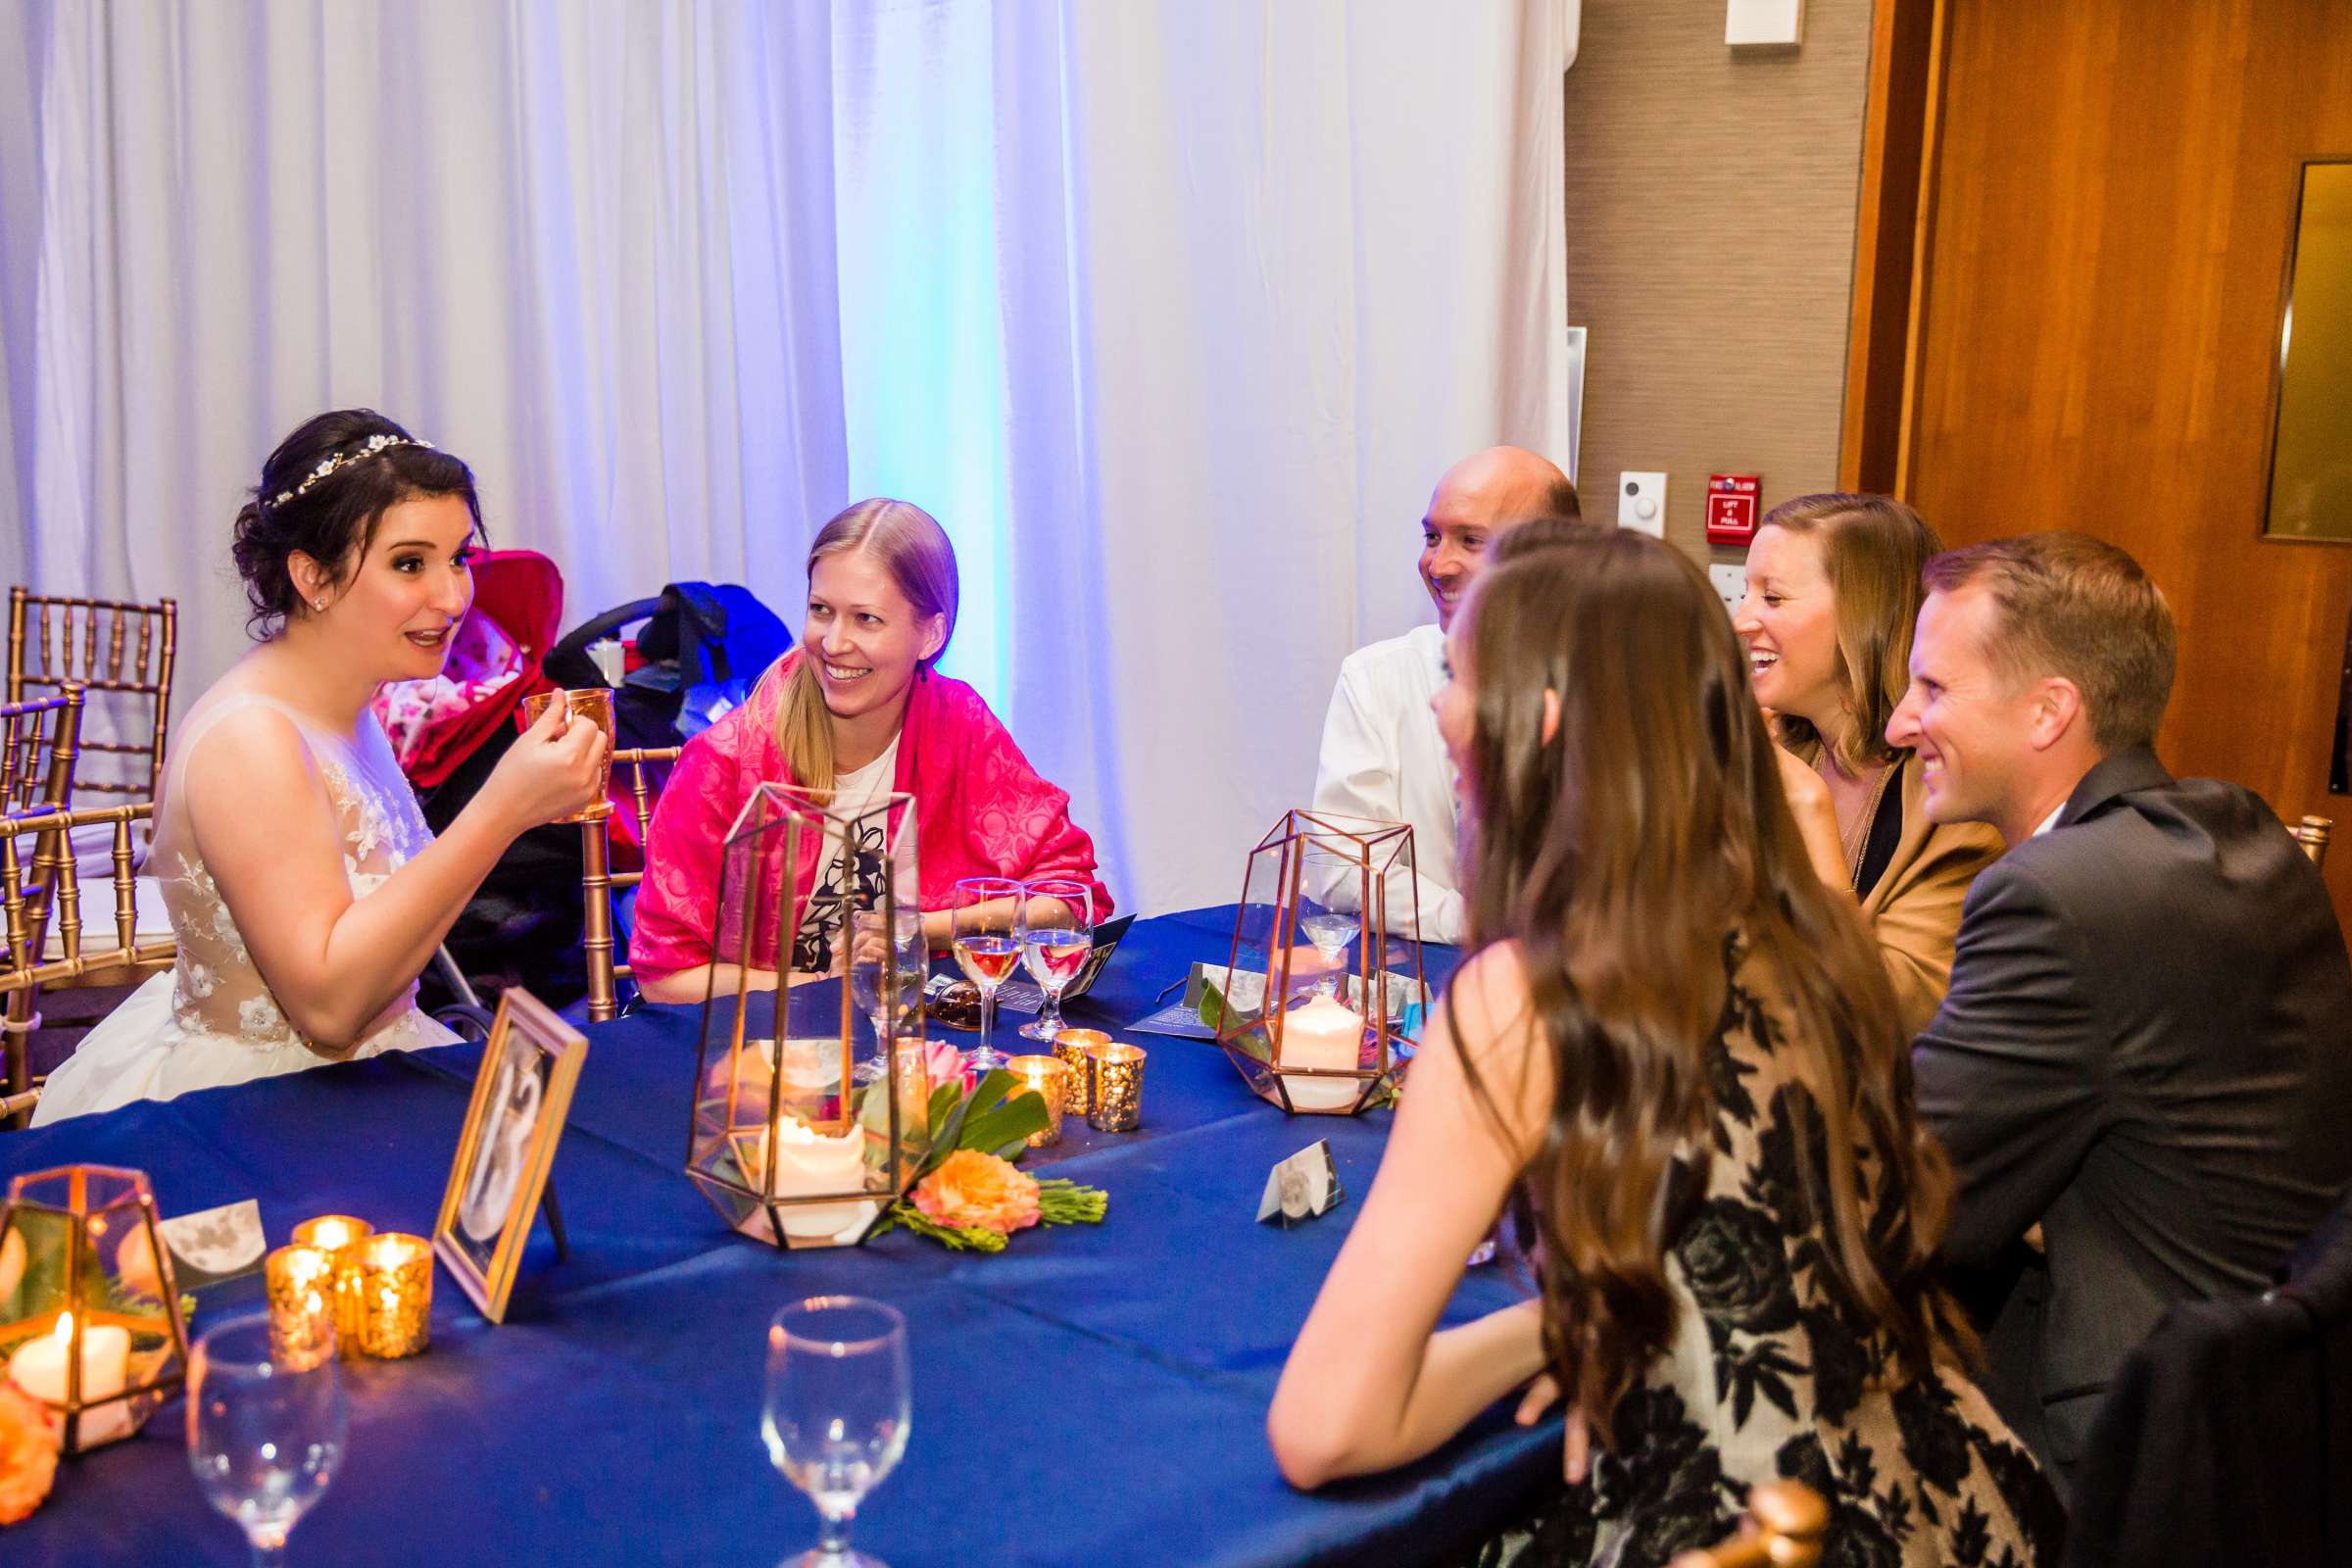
28, 1454
972, 1190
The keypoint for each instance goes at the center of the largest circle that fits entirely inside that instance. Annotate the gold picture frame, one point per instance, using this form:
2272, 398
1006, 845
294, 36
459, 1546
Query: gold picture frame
522, 1093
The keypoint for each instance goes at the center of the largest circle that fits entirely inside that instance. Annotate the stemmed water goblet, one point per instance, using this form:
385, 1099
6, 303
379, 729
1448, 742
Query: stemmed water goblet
266, 1430
1057, 928
839, 1401
985, 911
886, 976
1330, 932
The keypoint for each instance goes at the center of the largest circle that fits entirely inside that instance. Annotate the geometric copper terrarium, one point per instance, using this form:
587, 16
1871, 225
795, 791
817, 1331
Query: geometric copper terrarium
89, 1309
1308, 1007
810, 1097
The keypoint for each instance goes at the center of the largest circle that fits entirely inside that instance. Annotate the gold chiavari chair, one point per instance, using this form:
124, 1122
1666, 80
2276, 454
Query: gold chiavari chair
600, 882
1783, 1530
121, 654
40, 745
2312, 833
28, 908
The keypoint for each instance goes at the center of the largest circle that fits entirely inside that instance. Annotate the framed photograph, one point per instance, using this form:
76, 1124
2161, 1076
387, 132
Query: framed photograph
521, 1094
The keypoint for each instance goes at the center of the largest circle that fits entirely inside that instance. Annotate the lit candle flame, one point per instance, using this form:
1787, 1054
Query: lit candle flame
65, 1328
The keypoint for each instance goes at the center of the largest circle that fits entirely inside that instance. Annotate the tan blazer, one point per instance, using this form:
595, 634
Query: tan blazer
1914, 912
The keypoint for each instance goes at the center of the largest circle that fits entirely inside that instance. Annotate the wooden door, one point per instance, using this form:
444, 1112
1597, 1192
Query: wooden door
2095, 335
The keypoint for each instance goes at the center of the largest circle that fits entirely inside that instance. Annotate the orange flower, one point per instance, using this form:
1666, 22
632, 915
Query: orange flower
974, 1190
28, 1454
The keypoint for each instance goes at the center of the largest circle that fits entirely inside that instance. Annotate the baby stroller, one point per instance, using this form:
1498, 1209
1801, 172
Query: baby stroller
524, 924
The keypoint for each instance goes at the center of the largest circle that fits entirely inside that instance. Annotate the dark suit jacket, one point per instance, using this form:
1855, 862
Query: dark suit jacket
2147, 1049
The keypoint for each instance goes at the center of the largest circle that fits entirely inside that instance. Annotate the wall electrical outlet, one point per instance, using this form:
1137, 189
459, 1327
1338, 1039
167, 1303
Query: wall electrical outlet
1642, 503
1730, 578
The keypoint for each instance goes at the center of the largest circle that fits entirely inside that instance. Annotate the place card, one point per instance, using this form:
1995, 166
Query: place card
1303, 1187
214, 1244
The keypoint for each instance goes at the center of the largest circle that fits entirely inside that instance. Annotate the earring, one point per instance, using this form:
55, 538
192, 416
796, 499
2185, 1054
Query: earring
318, 605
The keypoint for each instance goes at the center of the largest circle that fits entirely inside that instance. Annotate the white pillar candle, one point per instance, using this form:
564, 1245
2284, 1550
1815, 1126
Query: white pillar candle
1327, 1036
808, 1164
40, 1369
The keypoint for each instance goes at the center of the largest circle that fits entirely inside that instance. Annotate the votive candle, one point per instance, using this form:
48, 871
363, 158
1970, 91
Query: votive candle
339, 1236
301, 1282
1115, 1086
396, 1293
1071, 1048
1043, 1077
42, 1368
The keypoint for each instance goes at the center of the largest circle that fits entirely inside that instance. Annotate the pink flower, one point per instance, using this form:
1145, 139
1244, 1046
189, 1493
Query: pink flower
28, 1454
971, 1190
942, 1063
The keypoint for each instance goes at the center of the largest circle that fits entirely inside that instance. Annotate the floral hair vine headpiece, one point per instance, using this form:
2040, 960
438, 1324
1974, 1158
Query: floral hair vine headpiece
358, 454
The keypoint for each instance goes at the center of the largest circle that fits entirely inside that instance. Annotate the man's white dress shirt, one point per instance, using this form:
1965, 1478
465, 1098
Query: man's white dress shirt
1382, 758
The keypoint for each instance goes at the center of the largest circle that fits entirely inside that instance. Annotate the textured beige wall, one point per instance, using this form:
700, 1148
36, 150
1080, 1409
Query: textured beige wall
1710, 204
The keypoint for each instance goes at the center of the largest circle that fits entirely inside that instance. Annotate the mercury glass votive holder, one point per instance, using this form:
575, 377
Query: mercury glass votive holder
396, 1291
301, 1282
1069, 1048
1043, 1077
339, 1236
1114, 1087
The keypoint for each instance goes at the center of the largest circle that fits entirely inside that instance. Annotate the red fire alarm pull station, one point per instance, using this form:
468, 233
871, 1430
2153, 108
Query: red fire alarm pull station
1732, 508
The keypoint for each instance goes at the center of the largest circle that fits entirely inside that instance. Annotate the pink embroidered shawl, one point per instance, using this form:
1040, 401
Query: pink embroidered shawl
981, 810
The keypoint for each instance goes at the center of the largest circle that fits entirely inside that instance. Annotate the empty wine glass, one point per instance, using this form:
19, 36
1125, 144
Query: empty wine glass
839, 1400
1057, 928
265, 1430
883, 971
986, 908
1331, 933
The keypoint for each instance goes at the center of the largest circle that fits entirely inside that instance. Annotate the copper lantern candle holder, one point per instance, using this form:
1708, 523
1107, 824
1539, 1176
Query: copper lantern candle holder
90, 1324
811, 1100
1310, 1027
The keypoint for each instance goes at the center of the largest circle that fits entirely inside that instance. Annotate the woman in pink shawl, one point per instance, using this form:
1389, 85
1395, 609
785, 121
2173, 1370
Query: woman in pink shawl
857, 708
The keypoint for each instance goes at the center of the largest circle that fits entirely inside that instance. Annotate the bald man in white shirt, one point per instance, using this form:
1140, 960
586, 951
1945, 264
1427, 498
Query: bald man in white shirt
1380, 755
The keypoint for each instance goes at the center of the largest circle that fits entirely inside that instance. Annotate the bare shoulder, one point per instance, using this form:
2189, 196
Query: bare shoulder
251, 765
1485, 1030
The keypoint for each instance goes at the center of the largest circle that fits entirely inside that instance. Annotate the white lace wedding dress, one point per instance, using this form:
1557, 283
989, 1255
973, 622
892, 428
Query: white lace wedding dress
211, 1020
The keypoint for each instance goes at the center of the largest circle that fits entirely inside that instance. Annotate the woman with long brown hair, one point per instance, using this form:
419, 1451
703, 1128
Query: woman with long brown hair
1832, 593
857, 710
1679, 1051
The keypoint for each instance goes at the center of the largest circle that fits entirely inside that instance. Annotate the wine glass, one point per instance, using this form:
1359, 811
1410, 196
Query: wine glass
266, 1430
1057, 928
880, 967
986, 908
838, 1406
1330, 932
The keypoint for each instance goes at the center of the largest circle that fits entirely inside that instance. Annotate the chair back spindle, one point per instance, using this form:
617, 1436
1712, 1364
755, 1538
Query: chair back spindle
599, 883
2312, 833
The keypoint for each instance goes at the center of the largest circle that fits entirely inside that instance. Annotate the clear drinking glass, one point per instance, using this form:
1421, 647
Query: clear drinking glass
986, 909
265, 1435
878, 964
839, 1400
1057, 928
1331, 932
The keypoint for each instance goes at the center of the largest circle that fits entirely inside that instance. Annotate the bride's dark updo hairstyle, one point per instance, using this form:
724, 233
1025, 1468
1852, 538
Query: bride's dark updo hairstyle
333, 520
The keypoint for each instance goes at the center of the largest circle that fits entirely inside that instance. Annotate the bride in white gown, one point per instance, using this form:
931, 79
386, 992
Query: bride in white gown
306, 891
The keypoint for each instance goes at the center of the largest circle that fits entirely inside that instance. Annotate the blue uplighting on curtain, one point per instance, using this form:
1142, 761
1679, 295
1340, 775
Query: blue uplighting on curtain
923, 383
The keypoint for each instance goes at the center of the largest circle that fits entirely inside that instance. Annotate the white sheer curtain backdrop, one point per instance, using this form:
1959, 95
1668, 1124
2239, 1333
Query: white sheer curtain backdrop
1172, 310
1179, 309
587, 247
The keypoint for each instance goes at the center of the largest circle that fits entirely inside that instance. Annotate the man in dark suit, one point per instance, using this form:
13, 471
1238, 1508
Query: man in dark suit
2146, 1049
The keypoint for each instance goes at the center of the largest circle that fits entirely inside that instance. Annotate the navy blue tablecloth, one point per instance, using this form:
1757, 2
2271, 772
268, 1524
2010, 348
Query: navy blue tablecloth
1090, 1396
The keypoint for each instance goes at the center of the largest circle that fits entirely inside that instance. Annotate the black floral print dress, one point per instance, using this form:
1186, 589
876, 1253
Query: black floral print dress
1774, 1372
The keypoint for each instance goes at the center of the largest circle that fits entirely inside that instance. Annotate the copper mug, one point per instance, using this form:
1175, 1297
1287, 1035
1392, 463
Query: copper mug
595, 704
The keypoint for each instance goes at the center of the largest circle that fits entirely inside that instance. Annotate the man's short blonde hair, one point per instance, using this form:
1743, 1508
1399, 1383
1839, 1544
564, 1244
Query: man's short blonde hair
2065, 604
